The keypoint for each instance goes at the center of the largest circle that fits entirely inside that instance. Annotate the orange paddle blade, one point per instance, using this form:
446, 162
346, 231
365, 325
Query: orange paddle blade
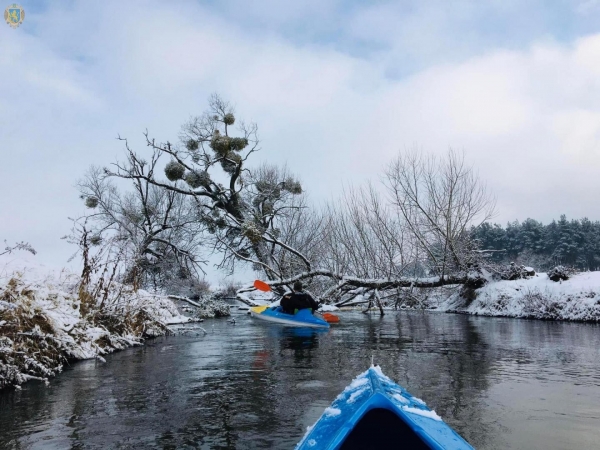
262, 286
330, 318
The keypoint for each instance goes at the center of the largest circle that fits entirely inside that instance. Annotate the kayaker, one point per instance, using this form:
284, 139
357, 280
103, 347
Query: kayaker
297, 300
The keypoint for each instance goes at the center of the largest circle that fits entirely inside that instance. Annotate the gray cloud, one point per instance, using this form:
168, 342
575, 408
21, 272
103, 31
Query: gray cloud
527, 118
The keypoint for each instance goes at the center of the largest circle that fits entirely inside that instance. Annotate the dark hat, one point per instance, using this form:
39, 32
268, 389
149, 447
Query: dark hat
298, 286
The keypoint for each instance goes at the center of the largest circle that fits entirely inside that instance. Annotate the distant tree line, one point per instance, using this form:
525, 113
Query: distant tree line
574, 243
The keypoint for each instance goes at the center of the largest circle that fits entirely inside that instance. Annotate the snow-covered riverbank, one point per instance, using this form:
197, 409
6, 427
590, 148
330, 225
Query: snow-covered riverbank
45, 319
42, 324
537, 297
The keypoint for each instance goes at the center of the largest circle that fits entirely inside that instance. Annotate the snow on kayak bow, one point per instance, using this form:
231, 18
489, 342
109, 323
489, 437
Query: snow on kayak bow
374, 412
302, 318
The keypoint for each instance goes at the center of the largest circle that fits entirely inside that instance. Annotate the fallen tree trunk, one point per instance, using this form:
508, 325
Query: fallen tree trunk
184, 299
242, 297
349, 283
369, 283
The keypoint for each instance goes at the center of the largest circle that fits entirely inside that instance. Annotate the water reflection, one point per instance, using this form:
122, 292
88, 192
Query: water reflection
298, 339
501, 383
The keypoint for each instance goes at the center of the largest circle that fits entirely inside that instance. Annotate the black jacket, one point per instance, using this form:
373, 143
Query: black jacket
298, 300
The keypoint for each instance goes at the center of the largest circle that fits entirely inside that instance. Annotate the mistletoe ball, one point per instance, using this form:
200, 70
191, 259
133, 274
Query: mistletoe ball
174, 171
228, 119
91, 202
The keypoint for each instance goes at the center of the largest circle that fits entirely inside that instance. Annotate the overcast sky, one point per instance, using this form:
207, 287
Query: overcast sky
337, 89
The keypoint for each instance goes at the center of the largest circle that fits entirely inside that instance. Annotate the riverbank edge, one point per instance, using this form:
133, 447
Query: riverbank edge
538, 297
46, 322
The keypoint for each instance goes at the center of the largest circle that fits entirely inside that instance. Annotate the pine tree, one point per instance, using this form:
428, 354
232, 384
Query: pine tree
574, 243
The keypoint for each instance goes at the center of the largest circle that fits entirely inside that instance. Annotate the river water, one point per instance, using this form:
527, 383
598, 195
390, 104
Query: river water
501, 383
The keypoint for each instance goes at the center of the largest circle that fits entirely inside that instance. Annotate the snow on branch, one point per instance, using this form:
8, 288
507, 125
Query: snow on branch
18, 246
379, 283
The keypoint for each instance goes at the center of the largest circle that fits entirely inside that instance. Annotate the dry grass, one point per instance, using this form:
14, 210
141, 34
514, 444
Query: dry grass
28, 348
100, 320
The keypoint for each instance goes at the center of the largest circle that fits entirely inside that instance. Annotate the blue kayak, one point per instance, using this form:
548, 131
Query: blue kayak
373, 412
303, 318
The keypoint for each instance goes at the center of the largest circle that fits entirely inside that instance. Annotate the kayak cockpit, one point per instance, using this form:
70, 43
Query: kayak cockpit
373, 412
382, 429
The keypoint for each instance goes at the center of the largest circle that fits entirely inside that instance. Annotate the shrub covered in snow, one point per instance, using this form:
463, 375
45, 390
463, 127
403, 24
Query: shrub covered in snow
227, 289
212, 307
542, 305
47, 320
560, 273
517, 272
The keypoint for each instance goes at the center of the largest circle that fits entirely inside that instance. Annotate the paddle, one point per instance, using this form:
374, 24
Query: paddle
262, 286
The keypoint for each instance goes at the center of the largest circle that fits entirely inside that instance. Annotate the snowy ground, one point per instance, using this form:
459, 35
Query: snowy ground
538, 298
42, 325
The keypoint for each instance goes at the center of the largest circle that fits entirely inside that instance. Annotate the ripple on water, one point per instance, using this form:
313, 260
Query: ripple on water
313, 384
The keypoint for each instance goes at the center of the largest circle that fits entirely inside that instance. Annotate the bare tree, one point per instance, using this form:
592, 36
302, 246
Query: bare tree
365, 237
157, 230
440, 199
